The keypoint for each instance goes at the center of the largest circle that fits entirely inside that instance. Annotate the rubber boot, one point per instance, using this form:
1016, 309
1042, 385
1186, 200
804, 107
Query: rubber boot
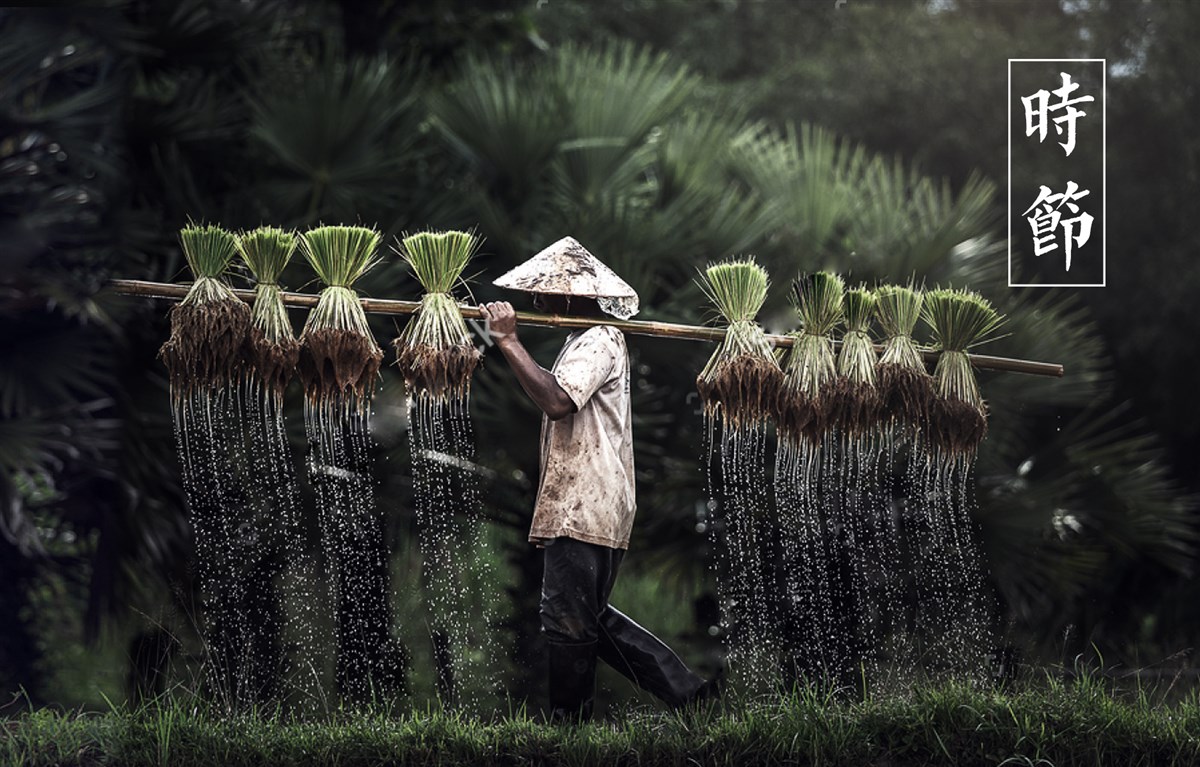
572, 681
646, 661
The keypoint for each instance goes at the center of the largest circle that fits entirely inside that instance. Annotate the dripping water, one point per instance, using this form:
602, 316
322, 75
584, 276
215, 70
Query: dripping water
457, 557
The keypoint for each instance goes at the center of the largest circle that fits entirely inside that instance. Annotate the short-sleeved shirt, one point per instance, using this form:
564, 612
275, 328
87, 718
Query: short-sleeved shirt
586, 490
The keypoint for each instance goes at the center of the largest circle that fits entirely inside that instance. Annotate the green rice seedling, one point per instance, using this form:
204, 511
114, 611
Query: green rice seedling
434, 352
742, 378
209, 326
854, 400
905, 386
960, 319
339, 358
274, 350
810, 369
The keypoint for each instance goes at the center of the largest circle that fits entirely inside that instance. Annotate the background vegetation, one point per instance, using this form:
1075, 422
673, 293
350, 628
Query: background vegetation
866, 137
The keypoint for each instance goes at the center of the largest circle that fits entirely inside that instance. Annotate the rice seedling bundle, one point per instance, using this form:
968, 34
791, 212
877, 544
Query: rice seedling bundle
273, 348
435, 353
905, 387
810, 369
209, 326
854, 399
742, 378
339, 358
958, 415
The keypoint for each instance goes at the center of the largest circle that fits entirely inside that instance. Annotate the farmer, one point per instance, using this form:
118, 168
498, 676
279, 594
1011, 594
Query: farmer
585, 501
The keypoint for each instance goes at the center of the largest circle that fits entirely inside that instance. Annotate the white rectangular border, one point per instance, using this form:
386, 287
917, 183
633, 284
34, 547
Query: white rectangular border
1103, 179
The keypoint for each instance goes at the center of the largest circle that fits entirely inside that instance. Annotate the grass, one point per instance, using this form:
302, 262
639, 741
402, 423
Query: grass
340, 255
810, 367
959, 319
857, 358
438, 258
738, 288
434, 352
266, 252
741, 380
898, 312
1048, 723
854, 404
820, 302
208, 251
906, 389
209, 326
339, 358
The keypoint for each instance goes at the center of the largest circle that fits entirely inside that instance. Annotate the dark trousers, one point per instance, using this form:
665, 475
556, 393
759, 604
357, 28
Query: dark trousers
580, 626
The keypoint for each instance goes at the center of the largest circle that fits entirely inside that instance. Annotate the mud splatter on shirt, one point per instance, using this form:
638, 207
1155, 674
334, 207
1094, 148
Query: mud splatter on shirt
586, 490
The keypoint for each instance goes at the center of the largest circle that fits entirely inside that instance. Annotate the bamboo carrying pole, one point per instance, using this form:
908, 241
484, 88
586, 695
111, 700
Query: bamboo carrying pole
636, 327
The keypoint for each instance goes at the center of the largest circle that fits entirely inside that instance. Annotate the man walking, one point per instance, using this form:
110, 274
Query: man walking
585, 502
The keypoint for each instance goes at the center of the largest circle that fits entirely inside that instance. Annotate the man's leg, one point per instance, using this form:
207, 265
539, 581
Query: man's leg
646, 660
575, 586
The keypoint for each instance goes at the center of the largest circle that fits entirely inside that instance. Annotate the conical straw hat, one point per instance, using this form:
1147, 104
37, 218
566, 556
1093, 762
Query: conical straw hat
567, 268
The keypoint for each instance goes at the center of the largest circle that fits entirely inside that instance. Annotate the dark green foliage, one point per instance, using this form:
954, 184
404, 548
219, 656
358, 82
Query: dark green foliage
247, 113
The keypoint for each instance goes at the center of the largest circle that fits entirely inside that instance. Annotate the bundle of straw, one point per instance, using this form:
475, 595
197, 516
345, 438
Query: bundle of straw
435, 353
960, 319
810, 369
208, 327
905, 387
742, 378
854, 400
273, 348
339, 358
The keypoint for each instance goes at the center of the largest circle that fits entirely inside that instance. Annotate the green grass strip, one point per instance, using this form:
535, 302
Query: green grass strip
1076, 725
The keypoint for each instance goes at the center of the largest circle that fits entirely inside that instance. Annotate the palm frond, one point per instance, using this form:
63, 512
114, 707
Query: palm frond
506, 119
614, 97
339, 138
904, 223
808, 175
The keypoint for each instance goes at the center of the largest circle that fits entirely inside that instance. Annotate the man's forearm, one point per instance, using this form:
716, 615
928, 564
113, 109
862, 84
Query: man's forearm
538, 383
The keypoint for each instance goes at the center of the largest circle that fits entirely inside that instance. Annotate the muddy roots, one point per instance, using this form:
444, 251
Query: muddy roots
743, 391
906, 395
207, 346
338, 364
795, 412
439, 373
956, 427
272, 363
853, 406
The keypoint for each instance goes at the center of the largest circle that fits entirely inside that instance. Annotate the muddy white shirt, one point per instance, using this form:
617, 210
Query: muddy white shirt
586, 491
